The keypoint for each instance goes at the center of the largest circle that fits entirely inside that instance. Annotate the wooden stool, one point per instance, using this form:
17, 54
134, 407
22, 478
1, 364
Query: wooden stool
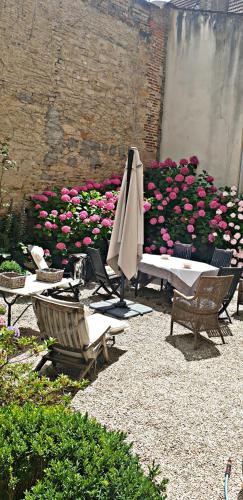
240, 295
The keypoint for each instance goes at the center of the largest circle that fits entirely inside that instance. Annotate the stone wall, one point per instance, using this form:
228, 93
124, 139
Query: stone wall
80, 82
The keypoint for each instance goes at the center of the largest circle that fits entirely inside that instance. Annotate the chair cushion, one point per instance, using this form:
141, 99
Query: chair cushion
98, 324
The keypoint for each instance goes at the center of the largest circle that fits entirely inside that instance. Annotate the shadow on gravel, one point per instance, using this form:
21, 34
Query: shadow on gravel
184, 343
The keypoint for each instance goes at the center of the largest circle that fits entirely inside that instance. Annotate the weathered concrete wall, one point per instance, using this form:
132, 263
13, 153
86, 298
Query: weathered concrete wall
80, 82
203, 107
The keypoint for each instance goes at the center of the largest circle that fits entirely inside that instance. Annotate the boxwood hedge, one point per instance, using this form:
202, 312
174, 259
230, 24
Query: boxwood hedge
51, 453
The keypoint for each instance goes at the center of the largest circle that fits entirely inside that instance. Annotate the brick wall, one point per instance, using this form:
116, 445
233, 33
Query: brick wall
80, 82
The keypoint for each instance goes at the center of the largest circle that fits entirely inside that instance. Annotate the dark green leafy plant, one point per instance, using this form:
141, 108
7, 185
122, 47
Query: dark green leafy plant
52, 454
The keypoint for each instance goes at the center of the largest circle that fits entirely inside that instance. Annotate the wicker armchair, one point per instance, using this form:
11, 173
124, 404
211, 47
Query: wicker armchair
200, 312
79, 338
221, 258
182, 250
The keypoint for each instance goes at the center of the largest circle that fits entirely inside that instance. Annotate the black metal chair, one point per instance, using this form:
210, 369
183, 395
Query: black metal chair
236, 272
109, 282
182, 250
221, 258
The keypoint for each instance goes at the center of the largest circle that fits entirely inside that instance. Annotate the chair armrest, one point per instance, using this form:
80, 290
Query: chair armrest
181, 295
97, 339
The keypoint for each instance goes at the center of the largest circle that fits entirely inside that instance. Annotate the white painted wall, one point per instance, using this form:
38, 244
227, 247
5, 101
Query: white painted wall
203, 104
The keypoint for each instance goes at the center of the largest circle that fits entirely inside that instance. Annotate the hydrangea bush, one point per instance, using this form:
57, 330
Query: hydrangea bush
186, 207
179, 205
67, 220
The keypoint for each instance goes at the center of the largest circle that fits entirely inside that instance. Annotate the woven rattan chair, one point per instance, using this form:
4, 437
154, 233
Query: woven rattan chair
236, 272
109, 282
182, 250
79, 338
73, 287
221, 258
200, 312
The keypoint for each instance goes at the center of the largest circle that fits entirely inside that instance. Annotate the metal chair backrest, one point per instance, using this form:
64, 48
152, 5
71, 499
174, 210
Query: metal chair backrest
62, 320
97, 263
221, 258
236, 272
182, 250
211, 291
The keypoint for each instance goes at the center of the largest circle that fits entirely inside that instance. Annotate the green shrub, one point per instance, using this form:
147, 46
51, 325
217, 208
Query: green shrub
11, 265
52, 453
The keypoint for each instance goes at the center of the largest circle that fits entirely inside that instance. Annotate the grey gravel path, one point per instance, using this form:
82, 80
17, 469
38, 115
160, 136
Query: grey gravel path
181, 407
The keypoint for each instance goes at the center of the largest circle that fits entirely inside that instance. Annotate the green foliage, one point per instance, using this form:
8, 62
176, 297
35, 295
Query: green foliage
11, 265
52, 454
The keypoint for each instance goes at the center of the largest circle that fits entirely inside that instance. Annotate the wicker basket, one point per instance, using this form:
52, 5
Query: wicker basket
12, 280
49, 275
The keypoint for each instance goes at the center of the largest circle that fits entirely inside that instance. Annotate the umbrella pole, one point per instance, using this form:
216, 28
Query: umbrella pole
122, 302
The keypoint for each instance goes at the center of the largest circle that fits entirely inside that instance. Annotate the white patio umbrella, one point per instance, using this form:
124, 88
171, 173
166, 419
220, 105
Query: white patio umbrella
127, 238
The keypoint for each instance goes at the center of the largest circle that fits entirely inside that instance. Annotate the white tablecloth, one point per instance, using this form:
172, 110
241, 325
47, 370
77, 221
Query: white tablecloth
173, 270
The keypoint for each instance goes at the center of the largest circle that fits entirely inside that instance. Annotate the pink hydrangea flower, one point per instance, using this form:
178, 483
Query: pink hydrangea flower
202, 193
147, 249
75, 200
176, 189
161, 219
64, 191
201, 204
151, 186
78, 244
83, 214
163, 230
87, 240
169, 180
179, 178
170, 251
170, 243
89, 185
146, 206
237, 236
153, 221
173, 195
166, 237
94, 218
66, 229
108, 194
92, 202
116, 182
86, 221
38, 226
164, 203
101, 204
43, 214
168, 189
96, 230
188, 207
194, 160
183, 161
233, 241
110, 206
54, 226
190, 228
65, 197
162, 250
73, 192
201, 213
54, 212
60, 246
62, 217
47, 251
159, 207
214, 204
177, 209
209, 178
223, 224
64, 262
38, 206
190, 179
69, 214
106, 222
159, 196
185, 170
211, 238
48, 225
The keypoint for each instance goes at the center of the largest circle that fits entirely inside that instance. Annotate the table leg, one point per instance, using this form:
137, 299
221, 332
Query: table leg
9, 304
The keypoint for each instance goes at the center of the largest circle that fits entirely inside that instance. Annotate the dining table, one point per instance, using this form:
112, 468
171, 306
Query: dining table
182, 274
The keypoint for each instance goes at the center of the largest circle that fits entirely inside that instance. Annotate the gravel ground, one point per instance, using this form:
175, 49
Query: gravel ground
179, 406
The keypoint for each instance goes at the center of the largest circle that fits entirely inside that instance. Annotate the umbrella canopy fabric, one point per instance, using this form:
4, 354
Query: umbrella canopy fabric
127, 238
